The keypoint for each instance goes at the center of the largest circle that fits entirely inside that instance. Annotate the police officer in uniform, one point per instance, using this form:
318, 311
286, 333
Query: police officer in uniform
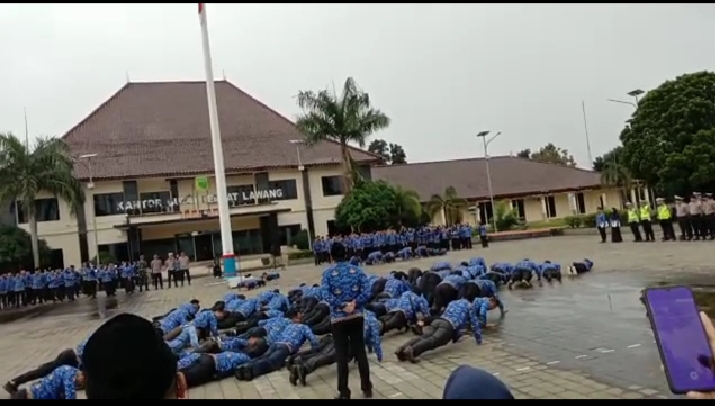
696, 215
682, 213
665, 220
709, 215
633, 219
645, 222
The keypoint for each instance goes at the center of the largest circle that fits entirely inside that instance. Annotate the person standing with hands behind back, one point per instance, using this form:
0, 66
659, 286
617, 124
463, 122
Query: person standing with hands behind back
345, 287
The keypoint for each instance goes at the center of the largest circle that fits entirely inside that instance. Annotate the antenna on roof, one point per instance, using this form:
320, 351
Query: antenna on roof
27, 133
585, 127
127, 75
224, 75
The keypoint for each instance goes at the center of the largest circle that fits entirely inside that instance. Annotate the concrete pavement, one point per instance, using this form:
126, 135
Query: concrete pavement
585, 338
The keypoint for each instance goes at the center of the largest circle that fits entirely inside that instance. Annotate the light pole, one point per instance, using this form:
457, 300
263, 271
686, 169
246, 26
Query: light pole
483, 135
636, 93
306, 187
90, 186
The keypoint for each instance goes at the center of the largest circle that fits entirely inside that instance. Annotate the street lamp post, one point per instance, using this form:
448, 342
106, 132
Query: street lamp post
636, 93
90, 186
483, 135
306, 187
101, 300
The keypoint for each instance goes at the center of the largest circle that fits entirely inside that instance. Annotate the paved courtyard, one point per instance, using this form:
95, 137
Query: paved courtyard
585, 338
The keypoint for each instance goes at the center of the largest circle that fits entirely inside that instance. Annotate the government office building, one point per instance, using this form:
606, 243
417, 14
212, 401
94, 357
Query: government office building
147, 151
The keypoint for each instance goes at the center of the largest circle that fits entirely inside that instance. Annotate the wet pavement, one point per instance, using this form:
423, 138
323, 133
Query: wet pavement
585, 338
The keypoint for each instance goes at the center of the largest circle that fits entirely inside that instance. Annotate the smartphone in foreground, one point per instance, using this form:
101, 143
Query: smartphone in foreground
684, 347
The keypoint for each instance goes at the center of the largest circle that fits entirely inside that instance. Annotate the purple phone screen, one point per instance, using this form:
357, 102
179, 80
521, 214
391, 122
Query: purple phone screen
684, 345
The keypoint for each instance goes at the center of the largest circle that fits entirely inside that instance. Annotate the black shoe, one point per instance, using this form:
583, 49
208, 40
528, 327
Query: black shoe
341, 396
400, 355
293, 375
367, 394
10, 387
238, 373
409, 355
302, 372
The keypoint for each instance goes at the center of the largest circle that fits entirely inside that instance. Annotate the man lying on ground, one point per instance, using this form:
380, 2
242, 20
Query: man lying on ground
289, 342
198, 369
71, 357
581, 267
62, 383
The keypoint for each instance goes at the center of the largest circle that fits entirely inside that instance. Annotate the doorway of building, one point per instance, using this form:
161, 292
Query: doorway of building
204, 247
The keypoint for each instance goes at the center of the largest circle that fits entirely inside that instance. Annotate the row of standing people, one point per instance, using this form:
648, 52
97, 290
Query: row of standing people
455, 237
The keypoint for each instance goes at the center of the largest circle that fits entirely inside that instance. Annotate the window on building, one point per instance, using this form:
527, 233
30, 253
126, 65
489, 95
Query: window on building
174, 189
108, 204
154, 202
486, 212
332, 185
550, 207
287, 233
45, 210
580, 203
332, 228
518, 206
262, 184
288, 189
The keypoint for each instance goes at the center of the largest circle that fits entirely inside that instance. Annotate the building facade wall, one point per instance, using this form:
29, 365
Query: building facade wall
65, 233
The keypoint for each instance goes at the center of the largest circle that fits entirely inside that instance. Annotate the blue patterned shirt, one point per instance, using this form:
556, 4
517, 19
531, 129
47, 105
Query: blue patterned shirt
188, 359
395, 288
59, 384
207, 320
233, 343
278, 302
266, 296
460, 313
456, 281
228, 361
274, 328
409, 303
441, 266
371, 334
294, 335
341, 284
248, 307
176, 318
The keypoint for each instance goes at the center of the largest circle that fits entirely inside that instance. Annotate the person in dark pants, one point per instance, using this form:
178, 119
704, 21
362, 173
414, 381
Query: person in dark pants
68, 357
346, 288
601, 224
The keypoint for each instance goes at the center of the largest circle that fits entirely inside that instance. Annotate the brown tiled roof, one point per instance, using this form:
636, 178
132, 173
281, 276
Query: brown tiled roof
511, 176
162, 129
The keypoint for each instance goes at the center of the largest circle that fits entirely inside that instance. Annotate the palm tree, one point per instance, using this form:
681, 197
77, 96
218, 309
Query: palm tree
26, 172
449, 205
345, 119
615, 174
407, 200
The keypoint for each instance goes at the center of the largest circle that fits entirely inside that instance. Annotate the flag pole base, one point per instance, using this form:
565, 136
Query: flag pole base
229, 266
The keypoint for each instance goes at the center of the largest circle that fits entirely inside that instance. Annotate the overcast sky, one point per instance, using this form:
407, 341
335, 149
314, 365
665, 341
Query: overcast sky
441, 72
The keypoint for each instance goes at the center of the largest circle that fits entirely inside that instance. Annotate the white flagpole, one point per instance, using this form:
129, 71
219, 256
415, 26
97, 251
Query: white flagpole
229, 259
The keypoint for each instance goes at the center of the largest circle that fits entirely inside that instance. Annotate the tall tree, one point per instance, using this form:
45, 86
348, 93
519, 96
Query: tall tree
613, 155
669, 143
26, 172
448, 205
379, 147
407, 201
348, 118
550, 154
397, 154
524, 153
393, 153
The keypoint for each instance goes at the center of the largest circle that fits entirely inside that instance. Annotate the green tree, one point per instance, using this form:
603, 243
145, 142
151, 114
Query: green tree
348, 118
407, 204
369, 207
550, 154
615, 174
613, 155
669, 141
393, 153
379, 147
449, 205
26, 172
397, 155
16, 250
505, 216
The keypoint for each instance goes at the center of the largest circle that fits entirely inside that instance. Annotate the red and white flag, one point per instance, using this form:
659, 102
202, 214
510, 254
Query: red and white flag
201, 8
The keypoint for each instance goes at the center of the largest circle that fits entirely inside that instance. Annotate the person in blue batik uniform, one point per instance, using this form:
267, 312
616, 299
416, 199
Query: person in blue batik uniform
62, 383
581, 267
403, 311
69, 357
445, 329
178, 317
346, 289
289, 342
199, 369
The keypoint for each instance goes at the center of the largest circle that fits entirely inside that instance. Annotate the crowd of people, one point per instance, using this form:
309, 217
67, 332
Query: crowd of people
343, 318
22, 289
695, 219
405, 243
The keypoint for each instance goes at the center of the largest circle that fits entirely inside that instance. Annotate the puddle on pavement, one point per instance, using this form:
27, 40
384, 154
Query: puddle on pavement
704, 293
